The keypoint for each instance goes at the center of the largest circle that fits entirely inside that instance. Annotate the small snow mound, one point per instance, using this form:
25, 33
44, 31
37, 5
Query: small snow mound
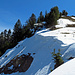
70, 52
73, 17
63, 23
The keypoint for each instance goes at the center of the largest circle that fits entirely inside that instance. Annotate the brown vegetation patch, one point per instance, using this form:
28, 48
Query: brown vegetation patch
65, 33
20, 64
71, 58
70, 25
68, 17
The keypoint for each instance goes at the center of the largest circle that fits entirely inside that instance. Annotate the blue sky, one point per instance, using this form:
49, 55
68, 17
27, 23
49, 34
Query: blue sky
12, 10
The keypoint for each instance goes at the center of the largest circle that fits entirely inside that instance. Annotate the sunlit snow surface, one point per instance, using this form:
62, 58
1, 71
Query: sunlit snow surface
63, 23
73, 17
65, 69
42, 44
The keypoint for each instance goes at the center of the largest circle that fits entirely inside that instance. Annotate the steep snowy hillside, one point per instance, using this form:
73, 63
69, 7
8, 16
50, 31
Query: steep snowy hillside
40, 47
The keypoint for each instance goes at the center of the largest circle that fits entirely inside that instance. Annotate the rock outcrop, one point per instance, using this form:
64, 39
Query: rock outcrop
19, 63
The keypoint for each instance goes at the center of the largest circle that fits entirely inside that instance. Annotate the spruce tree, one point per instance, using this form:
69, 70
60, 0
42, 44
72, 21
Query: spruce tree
38, 21
5, 33
2, 36
56, 12
52, 17
53, 20
60, 15
64, 13
17, 31
57, 58
46, 16
9, 34
32, 21
41, 17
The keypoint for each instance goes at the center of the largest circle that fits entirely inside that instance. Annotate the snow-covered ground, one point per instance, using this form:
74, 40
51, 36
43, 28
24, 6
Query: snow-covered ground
63, 22
42, 44
73, 17
66, 69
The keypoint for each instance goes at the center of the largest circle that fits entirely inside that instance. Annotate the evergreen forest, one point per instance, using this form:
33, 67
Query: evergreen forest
9, 39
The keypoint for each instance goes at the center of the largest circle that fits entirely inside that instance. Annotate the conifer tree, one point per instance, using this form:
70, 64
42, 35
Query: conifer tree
53, 20
41, 17
17, 31
56, 12
5, 33
1, 36
17, 26
46, 16
60, 15
38, 21
64, 13
57, 58
52, 17
32, 21
9, 34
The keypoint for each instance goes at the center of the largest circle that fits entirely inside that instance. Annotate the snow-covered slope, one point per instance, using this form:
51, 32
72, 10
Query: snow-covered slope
65, 69
64, 22
42, 44
70, 52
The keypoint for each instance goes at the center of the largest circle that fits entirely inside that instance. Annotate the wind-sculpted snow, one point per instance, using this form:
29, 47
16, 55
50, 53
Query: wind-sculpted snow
70, 52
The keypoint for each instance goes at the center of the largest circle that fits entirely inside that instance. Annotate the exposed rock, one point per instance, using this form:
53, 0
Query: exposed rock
71, 58
20, 64
34, 53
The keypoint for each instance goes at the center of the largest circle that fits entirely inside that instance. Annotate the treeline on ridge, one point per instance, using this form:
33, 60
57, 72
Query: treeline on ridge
9, 39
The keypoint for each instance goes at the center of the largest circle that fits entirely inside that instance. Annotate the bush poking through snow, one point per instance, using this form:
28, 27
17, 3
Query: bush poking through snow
57, 58
71, 58
70, 25
51, 69
5, 56
64, 35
